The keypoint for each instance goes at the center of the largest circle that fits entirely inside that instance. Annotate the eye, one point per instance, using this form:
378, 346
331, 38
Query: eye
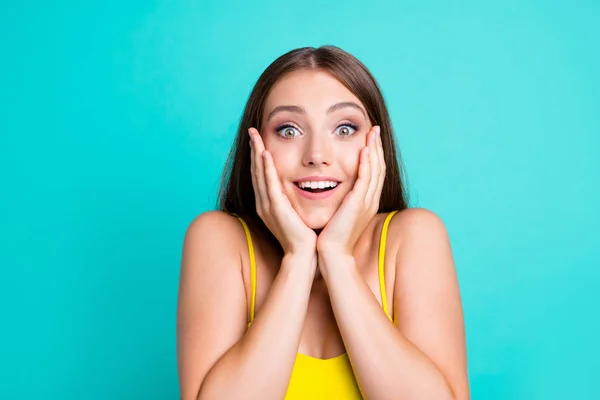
347, 129
288, 131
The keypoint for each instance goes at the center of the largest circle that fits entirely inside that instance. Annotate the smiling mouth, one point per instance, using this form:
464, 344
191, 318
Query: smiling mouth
316, 190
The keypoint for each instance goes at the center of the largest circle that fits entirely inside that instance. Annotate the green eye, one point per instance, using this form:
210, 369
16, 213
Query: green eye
287, 131
344, 131
347, 129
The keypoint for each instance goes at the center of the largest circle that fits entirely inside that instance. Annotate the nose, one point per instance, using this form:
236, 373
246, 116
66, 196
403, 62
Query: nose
317, 151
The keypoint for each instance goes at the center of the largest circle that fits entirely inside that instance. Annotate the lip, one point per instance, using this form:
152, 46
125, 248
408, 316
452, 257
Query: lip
316, 196
316, 178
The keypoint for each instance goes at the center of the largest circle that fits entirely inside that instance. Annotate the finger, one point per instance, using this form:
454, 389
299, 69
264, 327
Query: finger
272, 179
382, 168
362, 183
259, 170
253, 171
374, 168
381, 153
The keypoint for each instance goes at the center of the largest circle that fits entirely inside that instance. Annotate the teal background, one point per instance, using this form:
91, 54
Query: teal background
117, 119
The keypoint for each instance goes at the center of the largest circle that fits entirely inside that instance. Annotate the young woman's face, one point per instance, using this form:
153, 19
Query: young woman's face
315, 128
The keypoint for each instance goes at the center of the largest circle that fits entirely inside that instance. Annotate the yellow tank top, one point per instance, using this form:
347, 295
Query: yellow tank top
315, 378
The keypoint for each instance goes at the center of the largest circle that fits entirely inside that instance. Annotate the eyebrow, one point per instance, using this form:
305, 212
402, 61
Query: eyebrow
300, 110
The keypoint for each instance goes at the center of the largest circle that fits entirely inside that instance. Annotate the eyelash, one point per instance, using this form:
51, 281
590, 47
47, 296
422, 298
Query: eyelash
350, 124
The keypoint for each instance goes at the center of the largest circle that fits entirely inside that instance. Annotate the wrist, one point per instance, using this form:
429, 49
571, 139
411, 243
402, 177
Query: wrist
332, 251
303, 260
302, 250
328, 245
330, 262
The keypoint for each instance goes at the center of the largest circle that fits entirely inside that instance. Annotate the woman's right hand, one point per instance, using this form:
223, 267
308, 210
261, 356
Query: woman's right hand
273, 206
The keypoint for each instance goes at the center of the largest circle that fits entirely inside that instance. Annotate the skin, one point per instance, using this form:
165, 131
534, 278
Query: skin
322, 143
324, 295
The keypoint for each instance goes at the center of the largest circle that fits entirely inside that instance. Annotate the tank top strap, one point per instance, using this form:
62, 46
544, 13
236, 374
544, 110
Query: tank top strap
252, 267
381, 265
382, 243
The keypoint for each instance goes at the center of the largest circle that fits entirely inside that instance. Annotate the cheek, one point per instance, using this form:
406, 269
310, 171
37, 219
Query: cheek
349, 161
282, 160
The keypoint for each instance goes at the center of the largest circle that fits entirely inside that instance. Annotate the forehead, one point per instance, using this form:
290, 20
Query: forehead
311, 89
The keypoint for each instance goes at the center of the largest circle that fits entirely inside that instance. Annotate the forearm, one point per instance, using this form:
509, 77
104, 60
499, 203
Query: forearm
386, 364
260, 364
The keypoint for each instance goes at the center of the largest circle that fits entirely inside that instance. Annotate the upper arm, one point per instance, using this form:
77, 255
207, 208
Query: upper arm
211, 310
427, 298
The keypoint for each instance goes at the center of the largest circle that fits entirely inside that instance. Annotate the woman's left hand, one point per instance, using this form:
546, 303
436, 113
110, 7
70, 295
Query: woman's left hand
360, 205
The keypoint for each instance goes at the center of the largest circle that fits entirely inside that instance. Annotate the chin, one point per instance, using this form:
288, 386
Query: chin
316, 219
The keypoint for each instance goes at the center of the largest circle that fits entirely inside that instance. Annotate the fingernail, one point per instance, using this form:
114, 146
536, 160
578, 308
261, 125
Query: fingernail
378, 130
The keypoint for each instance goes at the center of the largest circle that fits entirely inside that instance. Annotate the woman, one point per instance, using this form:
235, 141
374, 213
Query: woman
315, 280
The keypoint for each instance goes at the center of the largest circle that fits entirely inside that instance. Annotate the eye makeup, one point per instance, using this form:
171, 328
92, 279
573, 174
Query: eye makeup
352, 125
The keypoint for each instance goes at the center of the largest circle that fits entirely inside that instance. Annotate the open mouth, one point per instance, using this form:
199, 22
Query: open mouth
320, 187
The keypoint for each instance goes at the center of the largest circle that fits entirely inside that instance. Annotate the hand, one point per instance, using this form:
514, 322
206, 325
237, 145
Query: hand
360, 205
273, 206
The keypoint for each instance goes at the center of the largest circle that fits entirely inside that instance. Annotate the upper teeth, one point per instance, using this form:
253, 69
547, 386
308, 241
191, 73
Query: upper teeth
317, 185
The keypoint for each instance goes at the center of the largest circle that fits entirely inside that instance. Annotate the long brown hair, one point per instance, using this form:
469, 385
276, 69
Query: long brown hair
236, 194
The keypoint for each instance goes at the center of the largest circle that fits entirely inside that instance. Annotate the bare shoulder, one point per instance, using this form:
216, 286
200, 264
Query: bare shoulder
417, 217
417, 225
212, 246
213, 225
423, 252
422, 249
211, 311
212, 249
216, 231
427, 296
